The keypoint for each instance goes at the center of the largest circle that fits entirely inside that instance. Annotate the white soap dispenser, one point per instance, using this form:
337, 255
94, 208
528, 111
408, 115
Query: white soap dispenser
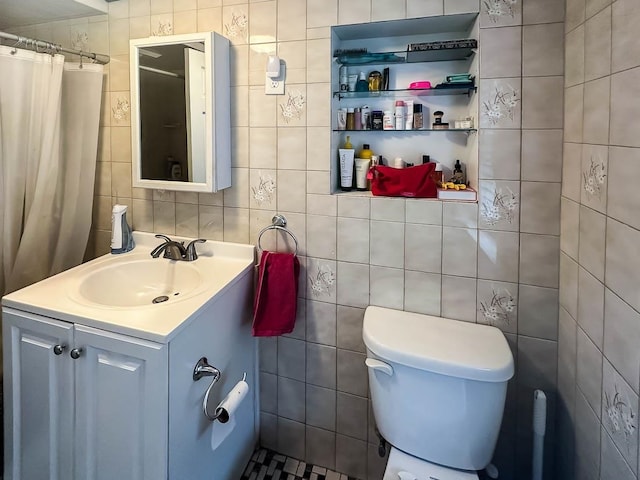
121, 234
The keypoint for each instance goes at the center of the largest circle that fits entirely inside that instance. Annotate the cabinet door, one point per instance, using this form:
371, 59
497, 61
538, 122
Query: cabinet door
121, 407
38, 397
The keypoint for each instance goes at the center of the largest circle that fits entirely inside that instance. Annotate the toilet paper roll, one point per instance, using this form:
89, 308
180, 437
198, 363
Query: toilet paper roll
225, 410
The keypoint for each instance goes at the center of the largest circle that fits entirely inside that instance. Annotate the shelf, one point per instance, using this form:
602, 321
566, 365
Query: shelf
421, 130
369, 194
408, 92
405, 56
378, 58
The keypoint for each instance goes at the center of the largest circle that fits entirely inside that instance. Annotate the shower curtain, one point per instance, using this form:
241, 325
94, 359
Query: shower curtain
49, 118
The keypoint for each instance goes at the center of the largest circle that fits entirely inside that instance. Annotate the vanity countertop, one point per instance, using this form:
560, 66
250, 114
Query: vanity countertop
124, 285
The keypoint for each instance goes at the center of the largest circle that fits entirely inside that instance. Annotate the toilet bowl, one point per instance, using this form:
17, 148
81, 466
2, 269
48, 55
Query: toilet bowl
406, 467
438, 388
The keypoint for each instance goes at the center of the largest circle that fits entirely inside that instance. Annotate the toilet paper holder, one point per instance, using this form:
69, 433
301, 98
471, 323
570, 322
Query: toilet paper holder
203, 369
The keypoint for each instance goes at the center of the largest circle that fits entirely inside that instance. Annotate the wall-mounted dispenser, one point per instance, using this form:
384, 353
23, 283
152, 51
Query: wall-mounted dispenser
275, 75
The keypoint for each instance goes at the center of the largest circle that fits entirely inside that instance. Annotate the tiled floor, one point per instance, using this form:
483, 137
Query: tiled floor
268, 465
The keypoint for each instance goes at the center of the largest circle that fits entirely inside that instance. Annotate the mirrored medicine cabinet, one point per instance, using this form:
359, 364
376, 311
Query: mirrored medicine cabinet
180, 112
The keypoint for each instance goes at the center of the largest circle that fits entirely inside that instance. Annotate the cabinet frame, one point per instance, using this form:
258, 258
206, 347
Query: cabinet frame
31, 362
381, 44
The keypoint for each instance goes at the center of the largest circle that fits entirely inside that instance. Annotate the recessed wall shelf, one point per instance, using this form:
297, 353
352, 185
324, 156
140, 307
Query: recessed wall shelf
434, 49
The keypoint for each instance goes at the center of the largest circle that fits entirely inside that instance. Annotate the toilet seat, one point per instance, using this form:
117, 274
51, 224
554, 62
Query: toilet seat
421, 469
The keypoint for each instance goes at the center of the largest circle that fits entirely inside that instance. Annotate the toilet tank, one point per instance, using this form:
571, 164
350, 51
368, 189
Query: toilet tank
438, 386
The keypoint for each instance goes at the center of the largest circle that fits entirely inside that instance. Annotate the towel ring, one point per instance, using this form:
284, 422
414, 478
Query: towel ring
278, 222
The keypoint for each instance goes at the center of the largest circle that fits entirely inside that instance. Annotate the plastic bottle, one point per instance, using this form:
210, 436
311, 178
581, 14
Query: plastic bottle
346, 156
362, 85
377, 120
342, 119
344, 79
365, 113
366, 152
399, 115
458, 174
351, 119
418, 120
362, 164
387, 120
357, 118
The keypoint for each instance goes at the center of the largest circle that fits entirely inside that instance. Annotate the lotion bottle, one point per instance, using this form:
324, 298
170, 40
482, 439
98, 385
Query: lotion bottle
346, 156
363, 163
121, 234
399, 115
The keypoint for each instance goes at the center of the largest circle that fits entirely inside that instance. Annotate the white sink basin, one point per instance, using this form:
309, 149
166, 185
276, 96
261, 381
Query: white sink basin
117, 292
140, 282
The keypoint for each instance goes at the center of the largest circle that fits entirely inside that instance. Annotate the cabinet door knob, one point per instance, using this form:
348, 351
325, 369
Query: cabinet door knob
58, 349
75, 353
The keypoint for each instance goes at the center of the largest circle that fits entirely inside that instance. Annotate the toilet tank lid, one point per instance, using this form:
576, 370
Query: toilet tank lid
439, 345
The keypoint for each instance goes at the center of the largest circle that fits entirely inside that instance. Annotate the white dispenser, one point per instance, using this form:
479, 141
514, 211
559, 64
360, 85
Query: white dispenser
121, 234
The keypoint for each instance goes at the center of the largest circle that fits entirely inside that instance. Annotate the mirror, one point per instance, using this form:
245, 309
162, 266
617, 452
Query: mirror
180, 112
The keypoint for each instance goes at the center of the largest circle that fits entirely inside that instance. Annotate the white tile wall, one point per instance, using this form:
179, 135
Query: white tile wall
357, 250
601, 71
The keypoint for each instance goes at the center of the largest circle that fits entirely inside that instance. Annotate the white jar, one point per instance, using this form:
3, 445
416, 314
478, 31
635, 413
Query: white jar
398, 162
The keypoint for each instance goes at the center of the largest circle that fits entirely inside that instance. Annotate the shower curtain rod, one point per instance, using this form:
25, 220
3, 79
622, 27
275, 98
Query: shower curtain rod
30, 42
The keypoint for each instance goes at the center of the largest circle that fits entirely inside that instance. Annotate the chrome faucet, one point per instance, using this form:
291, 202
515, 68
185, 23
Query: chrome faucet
174, 250
191, 254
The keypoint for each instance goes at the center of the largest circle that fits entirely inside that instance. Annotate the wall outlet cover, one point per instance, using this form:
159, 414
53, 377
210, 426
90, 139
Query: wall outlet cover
275, 86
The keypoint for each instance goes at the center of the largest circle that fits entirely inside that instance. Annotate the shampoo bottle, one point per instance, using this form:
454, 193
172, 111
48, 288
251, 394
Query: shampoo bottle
363, 163
121, 234
346, 156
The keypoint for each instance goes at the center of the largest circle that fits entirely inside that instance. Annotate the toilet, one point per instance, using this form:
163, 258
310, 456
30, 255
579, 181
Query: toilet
438, 388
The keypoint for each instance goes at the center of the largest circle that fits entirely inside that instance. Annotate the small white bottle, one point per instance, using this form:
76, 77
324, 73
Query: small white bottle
343, 79
387, 120
399, 115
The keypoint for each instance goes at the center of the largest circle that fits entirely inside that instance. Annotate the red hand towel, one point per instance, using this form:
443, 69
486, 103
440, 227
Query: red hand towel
274, 308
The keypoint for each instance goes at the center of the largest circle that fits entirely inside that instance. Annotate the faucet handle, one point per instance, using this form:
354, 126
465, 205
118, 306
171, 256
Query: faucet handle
155, 253
191, 253
166, 239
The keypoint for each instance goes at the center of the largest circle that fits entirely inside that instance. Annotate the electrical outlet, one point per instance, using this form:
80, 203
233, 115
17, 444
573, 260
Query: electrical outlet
275, 86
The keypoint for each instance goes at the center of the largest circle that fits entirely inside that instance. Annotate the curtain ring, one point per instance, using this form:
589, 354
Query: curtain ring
15, 46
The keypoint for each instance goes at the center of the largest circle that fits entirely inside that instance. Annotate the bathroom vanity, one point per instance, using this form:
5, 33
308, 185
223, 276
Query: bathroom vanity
98, 379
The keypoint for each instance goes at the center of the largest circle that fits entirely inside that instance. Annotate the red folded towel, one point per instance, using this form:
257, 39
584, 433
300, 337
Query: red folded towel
274, 308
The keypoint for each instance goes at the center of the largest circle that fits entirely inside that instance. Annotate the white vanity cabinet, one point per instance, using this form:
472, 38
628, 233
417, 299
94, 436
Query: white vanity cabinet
102, 415
38, 408
99, 378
